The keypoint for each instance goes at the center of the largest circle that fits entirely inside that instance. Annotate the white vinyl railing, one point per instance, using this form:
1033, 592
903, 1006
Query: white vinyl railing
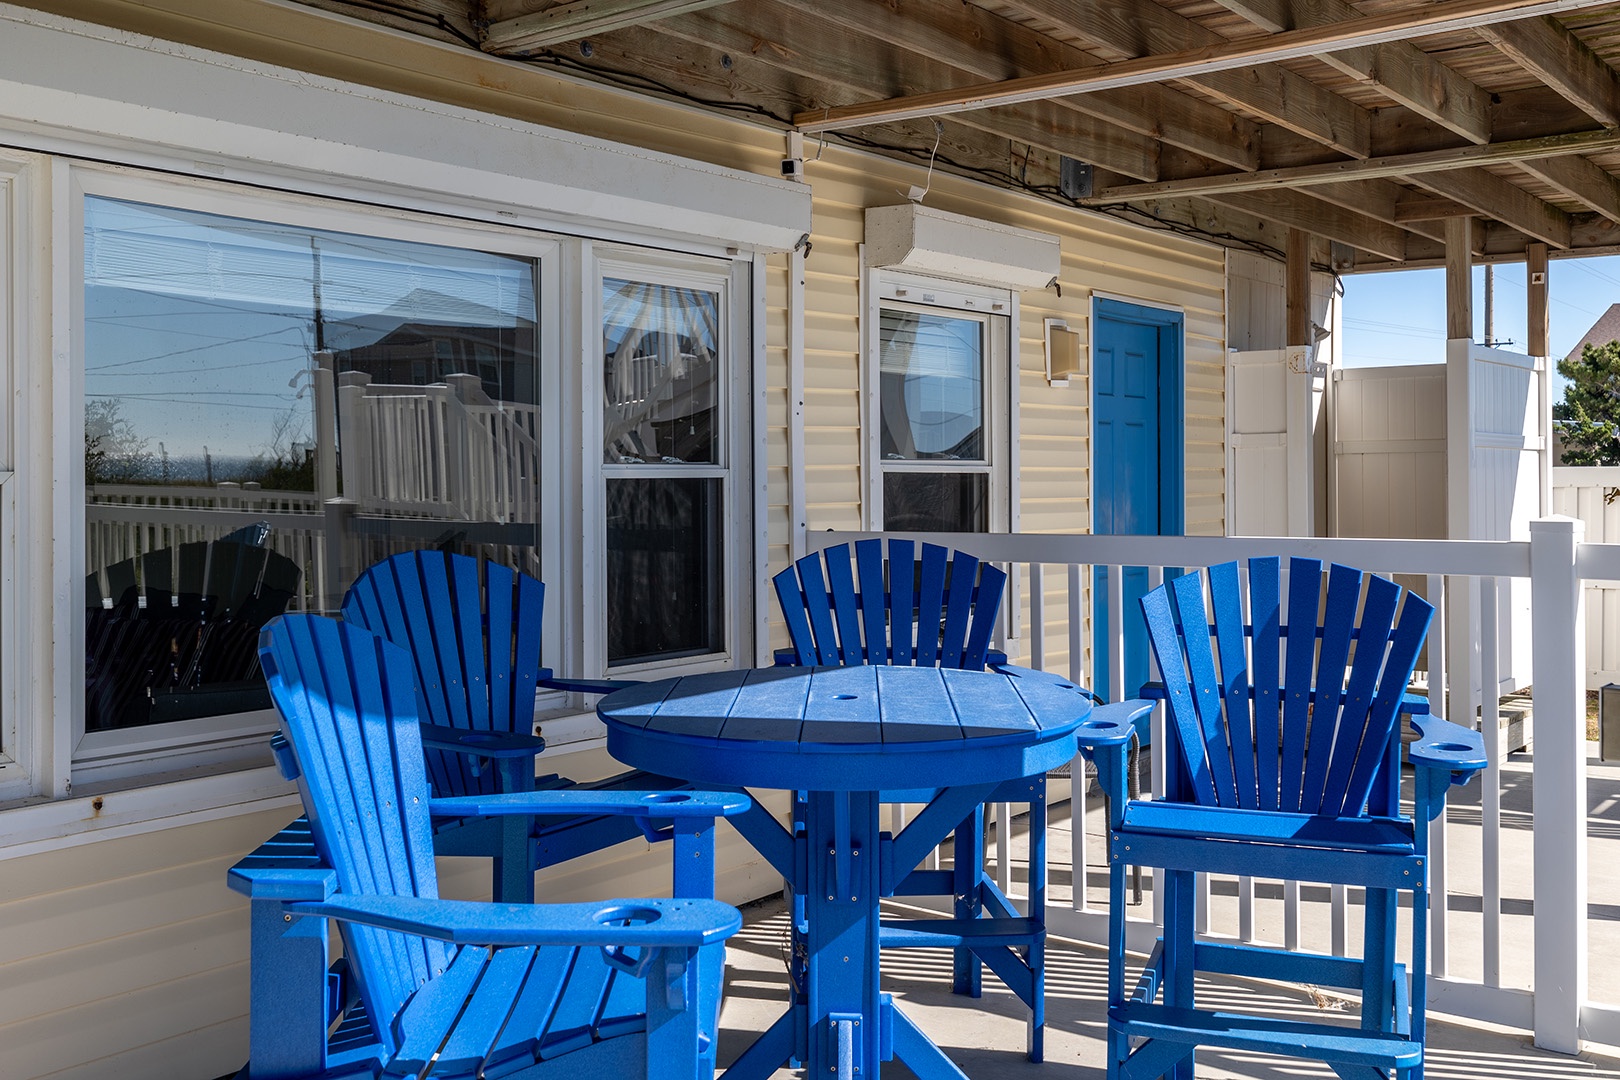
1049, 624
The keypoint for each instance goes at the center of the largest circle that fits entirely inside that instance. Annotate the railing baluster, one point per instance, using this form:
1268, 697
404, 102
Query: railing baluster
1490, 837
1037, 617
1155, 575
1291, 915
1246, 909
1337, 906
1079, 650
1004, 847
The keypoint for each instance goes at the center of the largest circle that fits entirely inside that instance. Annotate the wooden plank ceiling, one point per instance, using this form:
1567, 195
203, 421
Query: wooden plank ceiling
1367, 124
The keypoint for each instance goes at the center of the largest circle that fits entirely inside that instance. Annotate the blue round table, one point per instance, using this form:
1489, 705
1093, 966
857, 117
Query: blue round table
842, 734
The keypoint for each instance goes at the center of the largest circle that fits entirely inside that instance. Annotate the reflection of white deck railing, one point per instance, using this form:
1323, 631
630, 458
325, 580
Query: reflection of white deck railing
1049, 624
445, 450
123, 521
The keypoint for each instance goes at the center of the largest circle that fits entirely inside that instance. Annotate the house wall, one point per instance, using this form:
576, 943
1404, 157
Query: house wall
1052, 460
121, 948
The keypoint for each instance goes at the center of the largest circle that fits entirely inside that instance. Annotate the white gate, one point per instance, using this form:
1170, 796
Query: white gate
1273, 402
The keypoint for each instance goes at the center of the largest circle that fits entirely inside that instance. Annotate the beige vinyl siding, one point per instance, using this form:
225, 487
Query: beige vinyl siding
128, 956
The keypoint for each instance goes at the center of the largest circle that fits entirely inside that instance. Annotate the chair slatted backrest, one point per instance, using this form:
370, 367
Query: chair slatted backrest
1298, 716
475, 643
939, 610
348, 707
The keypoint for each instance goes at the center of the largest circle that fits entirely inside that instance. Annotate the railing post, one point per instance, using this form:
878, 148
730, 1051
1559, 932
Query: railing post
1558, 657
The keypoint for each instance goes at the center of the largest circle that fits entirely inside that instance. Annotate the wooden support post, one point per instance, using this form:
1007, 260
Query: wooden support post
1535, 275
1459, 278
1299, 287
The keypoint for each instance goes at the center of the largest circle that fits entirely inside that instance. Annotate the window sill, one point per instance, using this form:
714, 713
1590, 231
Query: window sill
33, 826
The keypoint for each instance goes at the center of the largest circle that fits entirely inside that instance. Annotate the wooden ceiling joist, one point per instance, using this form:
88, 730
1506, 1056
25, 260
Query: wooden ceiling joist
1396, 25
942, 37
1431, 161
1280, 96
1299, 211
1562, 61
1398, 68
1495, 198
1580, 180
581, 19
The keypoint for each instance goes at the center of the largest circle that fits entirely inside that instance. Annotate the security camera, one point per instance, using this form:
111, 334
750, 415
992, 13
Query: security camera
793, 168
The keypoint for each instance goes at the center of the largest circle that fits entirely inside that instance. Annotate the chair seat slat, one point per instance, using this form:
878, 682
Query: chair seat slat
573, 1024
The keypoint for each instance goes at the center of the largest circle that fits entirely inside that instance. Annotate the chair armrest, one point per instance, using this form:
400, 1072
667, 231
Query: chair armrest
285, 867
485, 744
1443, 745
664, 805
1113, 725
587, 686
654, 923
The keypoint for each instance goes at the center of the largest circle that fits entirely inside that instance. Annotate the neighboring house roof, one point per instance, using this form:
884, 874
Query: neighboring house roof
1605, 330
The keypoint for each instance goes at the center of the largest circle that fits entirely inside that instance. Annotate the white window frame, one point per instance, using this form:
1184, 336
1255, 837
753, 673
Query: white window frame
18, 334
115, 757
731, 280
997, 309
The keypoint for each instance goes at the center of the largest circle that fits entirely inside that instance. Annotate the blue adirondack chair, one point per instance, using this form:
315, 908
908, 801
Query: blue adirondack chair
938, 609
440, 988
1282, 760
475, 640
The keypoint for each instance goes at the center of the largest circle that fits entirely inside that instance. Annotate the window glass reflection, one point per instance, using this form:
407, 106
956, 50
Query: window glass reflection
664, 565
659, 345
931, 386
268, 410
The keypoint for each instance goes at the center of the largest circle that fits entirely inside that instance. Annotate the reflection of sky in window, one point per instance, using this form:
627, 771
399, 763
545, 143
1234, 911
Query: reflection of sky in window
938, 361
197, 323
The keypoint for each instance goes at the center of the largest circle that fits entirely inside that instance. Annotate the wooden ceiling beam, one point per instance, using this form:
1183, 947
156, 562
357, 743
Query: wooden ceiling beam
1380, 199
1297, 210
1442, 17
1431, 161
1580, 180
1416, 208
944, 35
1564, 62
1280, 96
1495, 198
1398, 68
581, 19
836, 62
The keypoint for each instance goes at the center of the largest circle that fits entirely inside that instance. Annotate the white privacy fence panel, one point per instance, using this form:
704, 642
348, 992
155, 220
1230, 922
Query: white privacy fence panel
1507, 923
1389, 452
1583, 492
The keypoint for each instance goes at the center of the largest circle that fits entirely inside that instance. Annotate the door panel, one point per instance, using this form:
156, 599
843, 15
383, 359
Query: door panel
1135, 361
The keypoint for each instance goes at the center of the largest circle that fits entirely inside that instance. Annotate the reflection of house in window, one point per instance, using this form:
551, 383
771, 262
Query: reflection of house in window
427, 336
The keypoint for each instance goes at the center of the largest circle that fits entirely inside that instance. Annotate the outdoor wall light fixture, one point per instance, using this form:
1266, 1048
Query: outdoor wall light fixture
1062, 353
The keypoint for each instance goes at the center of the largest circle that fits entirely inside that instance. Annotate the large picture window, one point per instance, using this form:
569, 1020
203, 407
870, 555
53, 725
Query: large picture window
268, 409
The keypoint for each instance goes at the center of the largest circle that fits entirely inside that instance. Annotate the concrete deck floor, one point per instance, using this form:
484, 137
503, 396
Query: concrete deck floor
986, 1037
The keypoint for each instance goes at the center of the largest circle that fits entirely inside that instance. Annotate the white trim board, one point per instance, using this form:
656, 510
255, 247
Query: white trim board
113, 89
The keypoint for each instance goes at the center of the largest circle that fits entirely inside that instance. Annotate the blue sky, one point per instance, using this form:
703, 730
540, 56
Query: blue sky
1399, 318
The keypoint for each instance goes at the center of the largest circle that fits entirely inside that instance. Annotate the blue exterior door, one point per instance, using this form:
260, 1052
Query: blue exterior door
1137, 479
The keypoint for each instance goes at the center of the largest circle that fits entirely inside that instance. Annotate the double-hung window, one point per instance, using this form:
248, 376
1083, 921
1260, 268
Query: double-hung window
938, 363
671, 573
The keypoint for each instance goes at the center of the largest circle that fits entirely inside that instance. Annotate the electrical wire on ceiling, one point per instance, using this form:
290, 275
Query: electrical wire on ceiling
633, 80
